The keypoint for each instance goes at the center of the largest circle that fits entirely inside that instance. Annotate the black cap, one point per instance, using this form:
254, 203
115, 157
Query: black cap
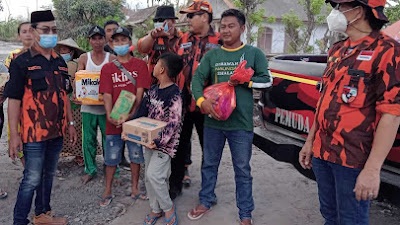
42, 16
165, 12
122, 31
96, 30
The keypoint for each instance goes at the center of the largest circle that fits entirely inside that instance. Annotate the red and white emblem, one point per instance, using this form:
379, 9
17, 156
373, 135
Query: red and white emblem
349, 94
365, 55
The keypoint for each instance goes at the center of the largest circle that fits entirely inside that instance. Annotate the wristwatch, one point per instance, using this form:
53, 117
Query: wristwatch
71, 123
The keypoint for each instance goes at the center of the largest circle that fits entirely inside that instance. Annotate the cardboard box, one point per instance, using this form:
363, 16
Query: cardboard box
87, 87
142, 130
123, 105
4, 77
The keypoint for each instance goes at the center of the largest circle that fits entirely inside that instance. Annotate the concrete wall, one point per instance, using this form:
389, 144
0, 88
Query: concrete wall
278, 36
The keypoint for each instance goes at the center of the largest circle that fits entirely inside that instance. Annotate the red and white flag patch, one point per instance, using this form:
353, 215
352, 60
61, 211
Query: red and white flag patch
365, 55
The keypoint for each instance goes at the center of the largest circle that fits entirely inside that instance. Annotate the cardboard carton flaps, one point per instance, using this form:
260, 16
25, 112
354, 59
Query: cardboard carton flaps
142, 130
87, 87
4, 77
123, 106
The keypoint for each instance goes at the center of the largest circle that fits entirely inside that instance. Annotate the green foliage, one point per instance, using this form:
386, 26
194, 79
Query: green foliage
392, 11
83, 42
271, 19
292, 24
8, 29
77, 16
255, 17
300, 33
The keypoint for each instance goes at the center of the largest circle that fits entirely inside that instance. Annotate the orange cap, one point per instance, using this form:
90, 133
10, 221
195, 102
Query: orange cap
197, 6
376, 5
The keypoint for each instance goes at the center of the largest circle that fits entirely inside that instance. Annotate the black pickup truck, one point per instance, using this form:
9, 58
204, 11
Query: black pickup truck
284, 113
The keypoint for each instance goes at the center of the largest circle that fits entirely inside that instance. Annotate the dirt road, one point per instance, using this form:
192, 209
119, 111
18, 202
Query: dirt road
282, 196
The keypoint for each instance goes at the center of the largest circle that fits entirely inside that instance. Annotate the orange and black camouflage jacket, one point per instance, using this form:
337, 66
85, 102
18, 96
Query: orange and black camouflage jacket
361, 82
43, 86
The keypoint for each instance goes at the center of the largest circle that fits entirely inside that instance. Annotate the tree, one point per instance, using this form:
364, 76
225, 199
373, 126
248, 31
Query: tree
392, 10
76, 17
255, 17
300, 33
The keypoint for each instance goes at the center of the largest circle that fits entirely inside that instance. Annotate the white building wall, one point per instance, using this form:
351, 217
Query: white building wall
278, 36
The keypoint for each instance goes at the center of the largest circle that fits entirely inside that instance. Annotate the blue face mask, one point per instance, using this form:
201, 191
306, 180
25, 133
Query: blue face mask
121, 50
48, 40
158, 24
66, 57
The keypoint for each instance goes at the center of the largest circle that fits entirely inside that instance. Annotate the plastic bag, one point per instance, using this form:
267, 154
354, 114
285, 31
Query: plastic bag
241, 73
225, 98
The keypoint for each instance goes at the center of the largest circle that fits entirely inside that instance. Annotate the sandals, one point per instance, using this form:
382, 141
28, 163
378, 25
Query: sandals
196, 214
105, 201
141, 196
167, 221
3, 194
149, 218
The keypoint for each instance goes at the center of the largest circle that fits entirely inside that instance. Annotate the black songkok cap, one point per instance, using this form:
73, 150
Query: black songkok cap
42, 16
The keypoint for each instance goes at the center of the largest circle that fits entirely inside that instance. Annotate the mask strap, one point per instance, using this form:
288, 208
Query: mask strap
350, 22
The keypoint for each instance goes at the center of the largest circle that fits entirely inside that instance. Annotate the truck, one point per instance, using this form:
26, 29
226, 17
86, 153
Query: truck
284, 113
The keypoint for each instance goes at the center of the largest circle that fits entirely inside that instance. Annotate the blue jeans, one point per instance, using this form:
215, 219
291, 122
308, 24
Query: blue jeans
41, 160
115, 147
240, 143
338, 203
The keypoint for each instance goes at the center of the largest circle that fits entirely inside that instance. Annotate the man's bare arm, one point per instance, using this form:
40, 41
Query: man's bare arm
82, 62
368, 181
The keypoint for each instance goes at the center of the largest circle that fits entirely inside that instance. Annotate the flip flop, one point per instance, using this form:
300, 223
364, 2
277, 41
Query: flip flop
3, 195
106, 201
148, 218
141, 196
195, 214
172, 217
241, 223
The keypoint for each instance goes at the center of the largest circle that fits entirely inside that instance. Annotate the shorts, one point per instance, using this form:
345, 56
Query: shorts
114, 148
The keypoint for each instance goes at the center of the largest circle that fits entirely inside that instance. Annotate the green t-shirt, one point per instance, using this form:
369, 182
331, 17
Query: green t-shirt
217, 66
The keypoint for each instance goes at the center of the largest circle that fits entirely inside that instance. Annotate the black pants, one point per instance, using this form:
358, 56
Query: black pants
184, 151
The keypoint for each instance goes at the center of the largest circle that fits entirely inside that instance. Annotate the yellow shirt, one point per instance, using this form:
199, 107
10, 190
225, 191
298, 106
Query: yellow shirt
11, 56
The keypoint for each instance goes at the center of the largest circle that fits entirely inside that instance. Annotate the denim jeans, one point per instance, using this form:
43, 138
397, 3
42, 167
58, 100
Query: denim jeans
41, 160
338, 203
240, 143
115, 148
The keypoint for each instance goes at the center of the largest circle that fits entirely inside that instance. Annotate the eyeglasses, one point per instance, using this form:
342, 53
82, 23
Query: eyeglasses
191, 15
46, 30
159, 20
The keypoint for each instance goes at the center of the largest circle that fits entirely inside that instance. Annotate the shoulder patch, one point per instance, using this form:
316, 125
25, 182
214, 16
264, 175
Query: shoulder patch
62, 68
34, 68
16, 55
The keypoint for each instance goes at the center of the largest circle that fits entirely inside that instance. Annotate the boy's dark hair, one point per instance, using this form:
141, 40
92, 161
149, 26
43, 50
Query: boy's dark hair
110, 22
173, 62
374, 23
235, 13
20, 25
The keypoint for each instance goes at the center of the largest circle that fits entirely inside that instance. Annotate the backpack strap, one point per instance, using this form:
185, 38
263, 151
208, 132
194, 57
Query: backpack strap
125, 71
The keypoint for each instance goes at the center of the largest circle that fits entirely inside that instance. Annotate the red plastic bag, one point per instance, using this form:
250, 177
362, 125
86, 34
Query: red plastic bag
225, 98
242, 74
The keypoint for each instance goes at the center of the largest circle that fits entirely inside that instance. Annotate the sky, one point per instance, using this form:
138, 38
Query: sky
21, 8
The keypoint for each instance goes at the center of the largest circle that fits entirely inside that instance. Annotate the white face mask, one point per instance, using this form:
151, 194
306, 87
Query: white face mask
337, 21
